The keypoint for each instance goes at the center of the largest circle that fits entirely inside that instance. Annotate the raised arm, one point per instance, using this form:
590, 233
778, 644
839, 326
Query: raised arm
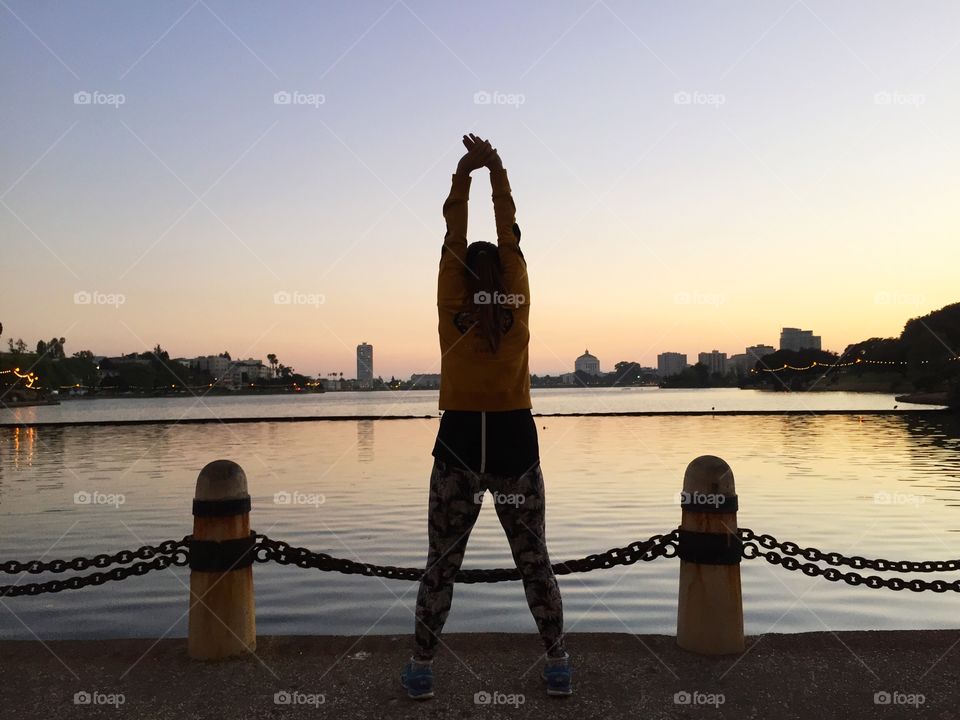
450, 286
508, 232
504, 209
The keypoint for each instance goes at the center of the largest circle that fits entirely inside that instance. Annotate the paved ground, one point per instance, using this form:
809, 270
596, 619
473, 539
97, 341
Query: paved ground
810, 675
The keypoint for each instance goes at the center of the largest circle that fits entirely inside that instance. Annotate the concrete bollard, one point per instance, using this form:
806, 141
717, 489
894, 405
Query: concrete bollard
710, 607
222, 619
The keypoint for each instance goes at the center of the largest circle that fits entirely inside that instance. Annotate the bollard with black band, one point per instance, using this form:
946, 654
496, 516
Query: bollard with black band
710, 606
222, 619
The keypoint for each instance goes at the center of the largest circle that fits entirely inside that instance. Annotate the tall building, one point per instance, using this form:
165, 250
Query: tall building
715, 361
745, 362
671, 363
364, 365
797, 339
217, 366
758, 351
587, 363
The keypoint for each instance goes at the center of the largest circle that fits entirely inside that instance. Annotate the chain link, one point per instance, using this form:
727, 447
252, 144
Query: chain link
788, 555
123, 557
285, 554
167, 553
766, 546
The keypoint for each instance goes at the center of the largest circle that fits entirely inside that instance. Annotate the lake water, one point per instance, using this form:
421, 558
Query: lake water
610, 480
424, 402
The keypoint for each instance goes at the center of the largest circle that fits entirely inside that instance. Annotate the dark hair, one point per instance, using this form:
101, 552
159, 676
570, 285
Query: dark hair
485, 277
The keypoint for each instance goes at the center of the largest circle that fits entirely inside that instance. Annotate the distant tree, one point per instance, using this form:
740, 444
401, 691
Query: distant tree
41, 347
226, 355
21, 346
272, 359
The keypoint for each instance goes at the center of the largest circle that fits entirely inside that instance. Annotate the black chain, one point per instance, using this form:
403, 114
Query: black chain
766, 546
285, 554
790, 556
169, 552
35, 567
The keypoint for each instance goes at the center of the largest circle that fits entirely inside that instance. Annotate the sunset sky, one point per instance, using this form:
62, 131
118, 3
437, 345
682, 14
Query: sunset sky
688, 176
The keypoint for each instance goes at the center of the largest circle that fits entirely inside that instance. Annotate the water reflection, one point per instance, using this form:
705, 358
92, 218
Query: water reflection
814, 480
365, 441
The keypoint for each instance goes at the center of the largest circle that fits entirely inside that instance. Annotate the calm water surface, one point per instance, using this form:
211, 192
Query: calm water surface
814, 480
424, 402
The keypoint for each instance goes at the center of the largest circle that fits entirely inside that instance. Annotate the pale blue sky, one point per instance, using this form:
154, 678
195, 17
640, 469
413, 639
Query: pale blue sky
811, 180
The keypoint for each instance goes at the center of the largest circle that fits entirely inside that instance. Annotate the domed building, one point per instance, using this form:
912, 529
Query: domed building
587, 363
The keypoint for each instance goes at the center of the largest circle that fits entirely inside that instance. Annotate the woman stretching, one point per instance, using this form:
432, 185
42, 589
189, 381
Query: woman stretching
487, 438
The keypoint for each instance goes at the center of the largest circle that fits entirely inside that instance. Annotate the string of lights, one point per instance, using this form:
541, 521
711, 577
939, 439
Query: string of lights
29, 377
831, 366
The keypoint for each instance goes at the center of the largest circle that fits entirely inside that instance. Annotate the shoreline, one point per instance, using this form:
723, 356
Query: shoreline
616, 675
344, 418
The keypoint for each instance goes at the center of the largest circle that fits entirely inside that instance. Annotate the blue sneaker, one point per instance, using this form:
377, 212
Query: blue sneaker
557, 673
417, 680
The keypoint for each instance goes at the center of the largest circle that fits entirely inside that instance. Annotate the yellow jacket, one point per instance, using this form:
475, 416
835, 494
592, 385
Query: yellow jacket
471, 376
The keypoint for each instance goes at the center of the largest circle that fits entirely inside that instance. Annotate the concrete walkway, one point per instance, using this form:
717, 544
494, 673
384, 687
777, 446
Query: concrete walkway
811, 675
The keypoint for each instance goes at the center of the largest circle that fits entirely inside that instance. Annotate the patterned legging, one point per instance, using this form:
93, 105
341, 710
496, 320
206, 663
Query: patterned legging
455, 500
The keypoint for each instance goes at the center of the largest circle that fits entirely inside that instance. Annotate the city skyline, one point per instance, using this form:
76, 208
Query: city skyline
758, 166
366, 371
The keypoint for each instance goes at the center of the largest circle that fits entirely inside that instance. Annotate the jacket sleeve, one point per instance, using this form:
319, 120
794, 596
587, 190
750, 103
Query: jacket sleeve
508, 235
451, 285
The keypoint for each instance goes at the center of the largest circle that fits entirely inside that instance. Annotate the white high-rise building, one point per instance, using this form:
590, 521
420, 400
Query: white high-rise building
715, 361
365, 365
671, 363
797, 339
